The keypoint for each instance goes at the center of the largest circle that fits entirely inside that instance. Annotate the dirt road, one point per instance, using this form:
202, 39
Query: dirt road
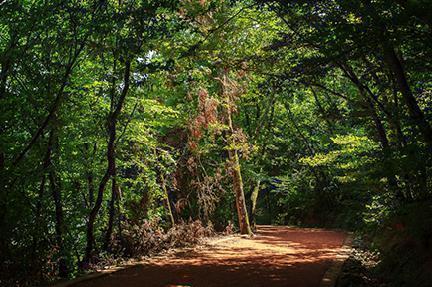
276, 256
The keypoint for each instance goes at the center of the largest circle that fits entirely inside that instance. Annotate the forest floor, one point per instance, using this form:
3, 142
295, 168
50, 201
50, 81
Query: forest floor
275, 256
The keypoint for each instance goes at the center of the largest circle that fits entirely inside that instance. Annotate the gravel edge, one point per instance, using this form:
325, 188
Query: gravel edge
331, 275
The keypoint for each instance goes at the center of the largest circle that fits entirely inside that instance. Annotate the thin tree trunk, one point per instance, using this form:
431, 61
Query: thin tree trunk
242, 213
381, 132
89, 172
392, 181
382, 135
92, 217
57, 197
414, 110
397, 125
269, 208
380, 129
41, 194
111, 168
6, 64
254, 200
59, 226
5, 67
90, 186
111, 211
322, 111
239, 193
167, 201
54, 108
238, 182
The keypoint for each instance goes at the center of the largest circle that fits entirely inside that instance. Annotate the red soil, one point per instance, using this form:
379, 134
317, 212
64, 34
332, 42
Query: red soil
276, 256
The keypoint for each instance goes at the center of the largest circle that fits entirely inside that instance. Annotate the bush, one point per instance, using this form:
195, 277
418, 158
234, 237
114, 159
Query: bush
147, 237
405, 243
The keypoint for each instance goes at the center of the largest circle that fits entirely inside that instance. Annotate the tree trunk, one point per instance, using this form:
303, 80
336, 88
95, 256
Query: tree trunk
414, 110
6, 64
5, 67
92, 218
237, 180
57, 197
239, 193
111, 211
167, 201
254, 200
229, 92
59, 226
380, 129
60, 94
322, 111
381, 132
382, 136
89, 172
111, 168
402, 142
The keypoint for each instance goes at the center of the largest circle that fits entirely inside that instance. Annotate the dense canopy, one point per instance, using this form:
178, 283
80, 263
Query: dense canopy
124, 120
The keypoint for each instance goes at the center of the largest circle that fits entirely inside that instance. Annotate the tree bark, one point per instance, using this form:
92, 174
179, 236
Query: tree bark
111, 168
235, 171
322, 111
6, 64
59, 226
167, 201
89, 172
380, 129
5, 67
57, 197
402, 142
111, 211
254, 200
237, 182
239, 194
414, 110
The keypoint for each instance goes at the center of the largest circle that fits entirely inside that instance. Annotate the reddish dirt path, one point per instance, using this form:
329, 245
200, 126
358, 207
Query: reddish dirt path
276, 256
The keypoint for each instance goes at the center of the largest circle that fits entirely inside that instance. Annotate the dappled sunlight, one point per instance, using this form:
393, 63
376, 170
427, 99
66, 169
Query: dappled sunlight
275, 256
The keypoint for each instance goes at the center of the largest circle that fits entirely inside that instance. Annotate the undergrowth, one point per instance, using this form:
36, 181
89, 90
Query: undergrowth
147, 237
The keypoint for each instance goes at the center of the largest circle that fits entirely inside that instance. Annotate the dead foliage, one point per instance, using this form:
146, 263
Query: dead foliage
147, 237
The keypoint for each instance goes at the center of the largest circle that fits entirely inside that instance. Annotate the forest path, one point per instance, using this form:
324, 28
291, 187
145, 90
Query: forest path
275, 256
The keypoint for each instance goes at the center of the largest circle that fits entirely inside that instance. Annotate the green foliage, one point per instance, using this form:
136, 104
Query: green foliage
327, 105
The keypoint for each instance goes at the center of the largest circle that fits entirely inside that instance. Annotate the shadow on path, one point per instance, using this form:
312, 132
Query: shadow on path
276, 256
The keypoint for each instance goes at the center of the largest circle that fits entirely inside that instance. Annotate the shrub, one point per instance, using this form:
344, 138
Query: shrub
146, 237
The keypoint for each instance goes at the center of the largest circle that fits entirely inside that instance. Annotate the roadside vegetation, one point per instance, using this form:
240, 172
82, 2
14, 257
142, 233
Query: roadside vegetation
128, 127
